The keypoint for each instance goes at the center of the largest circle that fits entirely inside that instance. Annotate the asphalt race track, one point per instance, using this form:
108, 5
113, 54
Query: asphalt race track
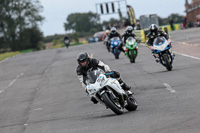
40, 93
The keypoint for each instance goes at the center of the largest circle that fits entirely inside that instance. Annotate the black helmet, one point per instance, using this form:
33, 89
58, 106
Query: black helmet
83, 58
129, 29
113, 30
153, 28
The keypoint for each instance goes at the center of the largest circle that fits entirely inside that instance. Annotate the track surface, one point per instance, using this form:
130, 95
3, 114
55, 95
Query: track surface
40, 93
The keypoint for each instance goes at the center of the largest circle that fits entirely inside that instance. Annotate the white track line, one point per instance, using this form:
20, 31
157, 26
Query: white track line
187, 55
45, 72
4, 60
12, 82
169, 88
38, 109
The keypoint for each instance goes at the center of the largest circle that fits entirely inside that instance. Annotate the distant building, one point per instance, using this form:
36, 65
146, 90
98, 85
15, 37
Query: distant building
192, 11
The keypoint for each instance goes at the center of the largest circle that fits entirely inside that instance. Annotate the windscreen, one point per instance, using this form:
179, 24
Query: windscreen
130, 39
159, 40
115, 38
93, 75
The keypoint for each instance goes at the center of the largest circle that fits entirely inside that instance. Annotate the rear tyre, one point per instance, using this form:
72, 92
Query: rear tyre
115, 107
132, 104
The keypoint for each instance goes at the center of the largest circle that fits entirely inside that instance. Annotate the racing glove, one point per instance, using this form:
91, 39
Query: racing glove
151, 47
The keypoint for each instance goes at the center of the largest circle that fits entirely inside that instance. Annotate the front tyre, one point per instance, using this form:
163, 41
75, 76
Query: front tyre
167, 63
132, 57
114, 106
131, 104
116, 53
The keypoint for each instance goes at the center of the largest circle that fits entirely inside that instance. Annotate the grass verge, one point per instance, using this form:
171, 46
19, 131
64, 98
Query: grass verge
9, 54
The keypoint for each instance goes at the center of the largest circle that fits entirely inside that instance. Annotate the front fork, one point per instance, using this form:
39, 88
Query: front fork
128, 50
169, 53
121, 98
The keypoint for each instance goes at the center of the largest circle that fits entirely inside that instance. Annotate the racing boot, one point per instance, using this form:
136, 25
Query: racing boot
156, 57
121, 48
172, 54
123, 85
94, 100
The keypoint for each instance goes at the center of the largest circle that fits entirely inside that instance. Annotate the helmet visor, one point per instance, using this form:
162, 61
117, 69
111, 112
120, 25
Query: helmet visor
83, 62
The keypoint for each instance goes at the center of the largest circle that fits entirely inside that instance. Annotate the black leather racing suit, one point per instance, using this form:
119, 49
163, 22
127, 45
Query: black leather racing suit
126, 35
152, 35
94, 64
116, 34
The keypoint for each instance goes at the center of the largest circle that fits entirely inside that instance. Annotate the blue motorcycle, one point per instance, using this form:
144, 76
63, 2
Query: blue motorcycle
114, 44
163, 49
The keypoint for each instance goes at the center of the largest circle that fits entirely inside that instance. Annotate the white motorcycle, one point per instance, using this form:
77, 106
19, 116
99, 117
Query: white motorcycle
108, 91
163, 49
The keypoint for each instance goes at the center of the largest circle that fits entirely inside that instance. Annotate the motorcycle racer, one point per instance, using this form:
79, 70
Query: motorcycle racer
86, 63
154, 32
114, 33
128, 33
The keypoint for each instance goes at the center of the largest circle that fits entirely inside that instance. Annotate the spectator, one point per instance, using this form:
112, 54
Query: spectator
184, 21
171, 22
126, 23
138, 26
108, 27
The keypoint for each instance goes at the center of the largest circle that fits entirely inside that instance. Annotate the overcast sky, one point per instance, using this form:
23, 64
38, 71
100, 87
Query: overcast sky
56, 11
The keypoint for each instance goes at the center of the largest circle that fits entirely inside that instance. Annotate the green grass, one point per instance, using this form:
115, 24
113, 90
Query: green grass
26, 51
72, 44
57, 46
9, 54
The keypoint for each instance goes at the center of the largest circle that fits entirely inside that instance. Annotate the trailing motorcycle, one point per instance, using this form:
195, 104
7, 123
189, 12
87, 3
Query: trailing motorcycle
108, 91
131, 49
114, 44
163, 50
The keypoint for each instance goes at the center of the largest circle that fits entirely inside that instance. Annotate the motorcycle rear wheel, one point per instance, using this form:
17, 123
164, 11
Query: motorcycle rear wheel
132, 104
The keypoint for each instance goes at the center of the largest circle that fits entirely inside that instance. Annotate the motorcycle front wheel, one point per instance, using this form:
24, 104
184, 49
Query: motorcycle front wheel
167, 62
116, 53
112, 104
132, 57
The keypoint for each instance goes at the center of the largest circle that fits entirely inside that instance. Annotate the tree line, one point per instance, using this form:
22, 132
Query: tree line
20, 19
86, 24
19, 28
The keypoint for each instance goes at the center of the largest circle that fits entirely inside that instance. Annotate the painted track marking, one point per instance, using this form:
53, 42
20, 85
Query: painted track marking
12, 82
187, 55
169, 88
